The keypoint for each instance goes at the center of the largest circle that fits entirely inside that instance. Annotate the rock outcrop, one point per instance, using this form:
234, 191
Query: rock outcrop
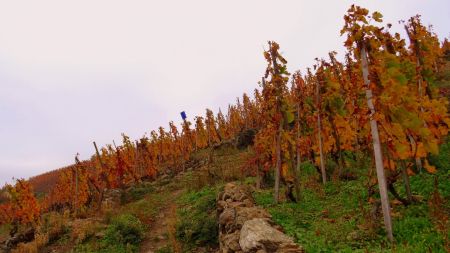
246, 228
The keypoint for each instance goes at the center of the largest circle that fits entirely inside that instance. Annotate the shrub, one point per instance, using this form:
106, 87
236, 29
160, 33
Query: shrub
197, 220
84, 229
442, 160
125, 231
34, 246
137, 192
55, 225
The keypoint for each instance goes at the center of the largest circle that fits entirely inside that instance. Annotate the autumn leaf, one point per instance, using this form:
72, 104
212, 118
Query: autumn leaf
430, 168
289, 116
377, 16
410, 172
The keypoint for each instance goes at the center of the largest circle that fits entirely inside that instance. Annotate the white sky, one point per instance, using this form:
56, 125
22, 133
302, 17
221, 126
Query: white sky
72, 72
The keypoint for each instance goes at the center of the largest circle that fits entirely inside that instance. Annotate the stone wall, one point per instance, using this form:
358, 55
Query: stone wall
245, 228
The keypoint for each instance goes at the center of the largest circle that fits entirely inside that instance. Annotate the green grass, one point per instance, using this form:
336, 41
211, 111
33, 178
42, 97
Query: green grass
336, 218
127, 224
336, 222
137, 192
123, 234
197, 224
146, 208
320, 224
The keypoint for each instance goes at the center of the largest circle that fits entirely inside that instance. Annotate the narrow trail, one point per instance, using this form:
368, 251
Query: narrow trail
162, 231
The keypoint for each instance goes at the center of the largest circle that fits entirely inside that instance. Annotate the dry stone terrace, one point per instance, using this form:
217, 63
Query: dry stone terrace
246, 228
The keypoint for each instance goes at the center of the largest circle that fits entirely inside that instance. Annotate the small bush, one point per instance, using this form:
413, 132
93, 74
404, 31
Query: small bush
197, 220
201, 231
442, 160
144, 209
32, 247
137, 192
245, 138
339, 220
83, 230
308, 168
125, 231
55, 225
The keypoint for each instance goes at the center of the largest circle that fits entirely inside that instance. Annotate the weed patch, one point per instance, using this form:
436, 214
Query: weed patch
197, 223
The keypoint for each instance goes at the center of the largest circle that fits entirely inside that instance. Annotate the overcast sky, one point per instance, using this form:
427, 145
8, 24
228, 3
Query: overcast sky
72, 72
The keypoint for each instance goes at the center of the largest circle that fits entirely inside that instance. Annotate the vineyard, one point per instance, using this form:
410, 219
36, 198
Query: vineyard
379, 117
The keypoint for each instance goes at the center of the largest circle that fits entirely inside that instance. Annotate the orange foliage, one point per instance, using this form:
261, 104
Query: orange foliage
22, 208
412, 116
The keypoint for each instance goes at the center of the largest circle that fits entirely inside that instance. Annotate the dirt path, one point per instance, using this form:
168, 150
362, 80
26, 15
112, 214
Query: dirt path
162, 231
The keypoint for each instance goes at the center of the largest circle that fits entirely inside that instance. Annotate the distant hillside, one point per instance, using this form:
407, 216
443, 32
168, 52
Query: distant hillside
443, 78
43, 183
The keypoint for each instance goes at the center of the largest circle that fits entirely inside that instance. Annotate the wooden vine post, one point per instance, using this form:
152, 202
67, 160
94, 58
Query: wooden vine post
102, 165
319, 130
274, 56
376, 146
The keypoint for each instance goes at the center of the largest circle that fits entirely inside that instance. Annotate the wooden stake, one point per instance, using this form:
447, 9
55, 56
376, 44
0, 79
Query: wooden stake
102, 165
299, 158
322, 162
377, 148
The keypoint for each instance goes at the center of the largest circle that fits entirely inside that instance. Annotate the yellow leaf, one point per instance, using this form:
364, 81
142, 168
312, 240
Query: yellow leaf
284, 170
421, 150
432, 146
402, 151
317, 160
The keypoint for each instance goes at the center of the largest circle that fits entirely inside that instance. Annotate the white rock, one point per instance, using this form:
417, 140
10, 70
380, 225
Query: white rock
257, 234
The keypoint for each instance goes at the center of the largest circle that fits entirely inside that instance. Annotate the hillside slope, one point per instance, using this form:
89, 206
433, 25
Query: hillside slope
353, 156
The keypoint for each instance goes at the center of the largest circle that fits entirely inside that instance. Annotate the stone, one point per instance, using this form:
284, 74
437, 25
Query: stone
220, 196
248, 203
161, 237
246, 228
227, 216
227, 220
258, 234
244, 214
231, 242
221, 205
99, 235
